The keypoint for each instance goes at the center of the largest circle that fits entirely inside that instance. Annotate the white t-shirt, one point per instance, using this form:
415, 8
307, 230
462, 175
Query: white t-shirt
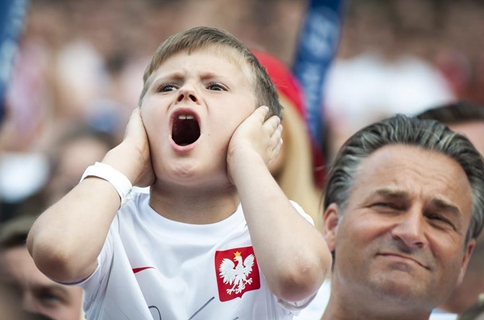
315, 310
438, 314
154, 268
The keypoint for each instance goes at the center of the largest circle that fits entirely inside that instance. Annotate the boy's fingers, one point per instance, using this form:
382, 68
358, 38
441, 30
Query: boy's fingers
276, 136
272, 123
275, 144
275, 151
263, 111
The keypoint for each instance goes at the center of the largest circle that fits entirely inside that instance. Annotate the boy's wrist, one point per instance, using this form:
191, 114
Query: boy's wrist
117, 179
240, 168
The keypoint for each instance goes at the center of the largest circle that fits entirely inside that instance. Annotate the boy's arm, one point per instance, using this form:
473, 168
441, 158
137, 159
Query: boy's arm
292, 253
67, 238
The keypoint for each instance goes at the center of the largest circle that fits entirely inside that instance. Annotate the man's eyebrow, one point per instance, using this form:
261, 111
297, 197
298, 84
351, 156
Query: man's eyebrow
392, 193
445, 205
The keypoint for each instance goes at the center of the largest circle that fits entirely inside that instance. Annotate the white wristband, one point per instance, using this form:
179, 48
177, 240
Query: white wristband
118, 180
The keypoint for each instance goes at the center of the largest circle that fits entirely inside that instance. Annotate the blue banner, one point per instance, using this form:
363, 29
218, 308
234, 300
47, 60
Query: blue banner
317, 46
12, 16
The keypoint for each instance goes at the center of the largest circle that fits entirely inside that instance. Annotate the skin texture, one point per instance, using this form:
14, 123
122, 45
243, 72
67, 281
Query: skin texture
399, 244
40, 294
200, 183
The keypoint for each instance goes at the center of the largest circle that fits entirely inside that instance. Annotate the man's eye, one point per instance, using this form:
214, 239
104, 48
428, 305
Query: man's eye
167, 87
385, 205
440, 219
216, 87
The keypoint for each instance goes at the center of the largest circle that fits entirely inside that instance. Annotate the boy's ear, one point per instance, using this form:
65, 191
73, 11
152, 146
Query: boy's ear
330, 225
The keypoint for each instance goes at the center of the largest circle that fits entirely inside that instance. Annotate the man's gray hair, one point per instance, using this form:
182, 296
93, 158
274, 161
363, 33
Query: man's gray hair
400, 129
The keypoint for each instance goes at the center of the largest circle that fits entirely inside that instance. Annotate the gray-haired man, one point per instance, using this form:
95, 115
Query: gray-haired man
403, 207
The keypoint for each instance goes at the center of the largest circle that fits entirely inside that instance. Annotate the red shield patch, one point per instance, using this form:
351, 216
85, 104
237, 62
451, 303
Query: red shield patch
237, 272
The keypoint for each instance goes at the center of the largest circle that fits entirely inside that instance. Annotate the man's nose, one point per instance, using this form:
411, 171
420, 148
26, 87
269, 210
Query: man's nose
410, 229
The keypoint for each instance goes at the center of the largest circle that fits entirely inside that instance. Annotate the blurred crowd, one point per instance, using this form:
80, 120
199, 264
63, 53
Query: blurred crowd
83, 60
78, 73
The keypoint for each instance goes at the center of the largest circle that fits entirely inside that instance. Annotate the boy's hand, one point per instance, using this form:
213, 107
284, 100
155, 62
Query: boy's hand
254, 139
132, 155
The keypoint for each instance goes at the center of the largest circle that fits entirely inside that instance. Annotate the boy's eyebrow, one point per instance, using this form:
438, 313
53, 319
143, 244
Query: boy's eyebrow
176, 75
154, 79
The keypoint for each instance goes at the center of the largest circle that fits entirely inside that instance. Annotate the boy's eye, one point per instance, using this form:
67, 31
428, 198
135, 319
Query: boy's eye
167, 87
216, 87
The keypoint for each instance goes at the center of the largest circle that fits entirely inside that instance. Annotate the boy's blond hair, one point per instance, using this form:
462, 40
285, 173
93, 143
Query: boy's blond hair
209, 37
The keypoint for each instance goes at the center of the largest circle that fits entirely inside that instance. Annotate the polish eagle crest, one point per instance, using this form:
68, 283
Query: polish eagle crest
236, 274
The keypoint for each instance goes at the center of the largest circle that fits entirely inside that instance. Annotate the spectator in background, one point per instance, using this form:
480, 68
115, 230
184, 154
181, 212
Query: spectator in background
38, 294
403, 206
476, 312
76, 149
10, 305
468, 119
62, 165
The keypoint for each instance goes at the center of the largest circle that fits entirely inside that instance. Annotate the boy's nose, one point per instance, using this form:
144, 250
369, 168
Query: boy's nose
187, 93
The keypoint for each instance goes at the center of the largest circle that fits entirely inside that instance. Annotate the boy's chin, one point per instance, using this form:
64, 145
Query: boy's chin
194, 179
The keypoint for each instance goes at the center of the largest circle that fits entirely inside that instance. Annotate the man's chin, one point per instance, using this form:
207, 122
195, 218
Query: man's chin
402, 289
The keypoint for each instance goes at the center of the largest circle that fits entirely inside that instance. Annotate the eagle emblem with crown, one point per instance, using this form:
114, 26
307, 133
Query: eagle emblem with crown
236, 273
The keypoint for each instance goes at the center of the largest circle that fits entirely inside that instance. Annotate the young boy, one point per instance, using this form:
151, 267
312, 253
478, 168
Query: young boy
215, 238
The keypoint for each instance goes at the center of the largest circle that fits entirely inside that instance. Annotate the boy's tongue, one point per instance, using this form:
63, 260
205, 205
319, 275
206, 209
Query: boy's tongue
185, 130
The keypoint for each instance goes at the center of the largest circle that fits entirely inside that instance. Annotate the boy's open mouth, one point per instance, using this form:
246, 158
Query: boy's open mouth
186, 129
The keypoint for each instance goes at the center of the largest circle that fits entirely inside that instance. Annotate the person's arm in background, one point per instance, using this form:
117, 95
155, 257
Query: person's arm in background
67, 238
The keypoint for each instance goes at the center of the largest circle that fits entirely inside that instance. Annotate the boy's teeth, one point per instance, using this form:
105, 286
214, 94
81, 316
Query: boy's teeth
185, 117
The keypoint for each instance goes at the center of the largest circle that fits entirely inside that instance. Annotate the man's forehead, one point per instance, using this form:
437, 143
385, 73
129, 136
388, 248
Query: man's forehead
407, 172
394, 166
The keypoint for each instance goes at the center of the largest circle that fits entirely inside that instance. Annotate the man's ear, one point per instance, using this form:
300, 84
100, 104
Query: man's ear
465, 261
330, 225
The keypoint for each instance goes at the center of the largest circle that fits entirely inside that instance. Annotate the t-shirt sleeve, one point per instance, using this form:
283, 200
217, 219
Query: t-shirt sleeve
302, 212
98, 279
296, 306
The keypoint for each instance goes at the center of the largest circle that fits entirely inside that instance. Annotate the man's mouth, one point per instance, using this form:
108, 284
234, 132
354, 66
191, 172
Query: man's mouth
404, 257
185, 129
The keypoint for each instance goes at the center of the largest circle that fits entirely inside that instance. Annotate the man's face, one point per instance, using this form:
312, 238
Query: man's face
190, 111
40, 294
402, 236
